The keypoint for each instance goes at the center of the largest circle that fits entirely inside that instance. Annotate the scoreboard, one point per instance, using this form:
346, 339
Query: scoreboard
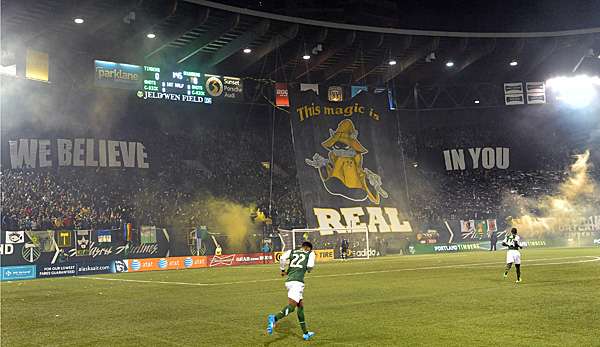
182, 85
152, 82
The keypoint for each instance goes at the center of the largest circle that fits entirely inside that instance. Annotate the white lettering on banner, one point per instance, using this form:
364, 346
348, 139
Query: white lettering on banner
142, 156
44, 153
591, 223
78, 151
23, 153
376, 221
95, 251
330, 218
363, 253
128, 154
352, 216
102, 152
474, 152
34, 153
64, 152
486, 157
6, 249
89, 153
113, 153
445, 248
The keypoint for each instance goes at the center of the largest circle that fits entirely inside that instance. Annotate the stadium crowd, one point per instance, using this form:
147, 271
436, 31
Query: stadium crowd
233, 164
190, 167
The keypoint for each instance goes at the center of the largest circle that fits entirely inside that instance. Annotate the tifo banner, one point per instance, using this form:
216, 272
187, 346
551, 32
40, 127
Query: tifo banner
477, 158
31, 153
348, 163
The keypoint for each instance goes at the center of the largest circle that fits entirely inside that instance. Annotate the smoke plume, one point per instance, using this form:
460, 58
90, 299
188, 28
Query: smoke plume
572, 202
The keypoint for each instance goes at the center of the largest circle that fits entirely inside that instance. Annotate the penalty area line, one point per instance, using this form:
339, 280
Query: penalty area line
455, 266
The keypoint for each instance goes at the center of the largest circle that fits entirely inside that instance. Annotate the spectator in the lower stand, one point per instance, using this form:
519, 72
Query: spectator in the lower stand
493, 240
344, 249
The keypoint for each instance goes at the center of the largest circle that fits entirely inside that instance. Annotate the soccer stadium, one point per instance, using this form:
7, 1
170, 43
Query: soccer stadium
289, 173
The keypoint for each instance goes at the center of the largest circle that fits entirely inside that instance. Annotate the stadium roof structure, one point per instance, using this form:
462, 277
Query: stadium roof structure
211, 37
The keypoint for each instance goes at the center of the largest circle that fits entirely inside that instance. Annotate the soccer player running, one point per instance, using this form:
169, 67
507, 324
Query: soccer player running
513, 255
301, 261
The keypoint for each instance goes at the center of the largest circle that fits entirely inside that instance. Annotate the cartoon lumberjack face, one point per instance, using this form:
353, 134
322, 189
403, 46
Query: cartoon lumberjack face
342, 173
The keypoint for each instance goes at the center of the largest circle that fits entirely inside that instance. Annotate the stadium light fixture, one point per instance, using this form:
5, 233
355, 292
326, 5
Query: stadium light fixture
476, 101
513, 63
576, 91
247, 50
78, 20
151, 35
449, 64
306, 57
392, 62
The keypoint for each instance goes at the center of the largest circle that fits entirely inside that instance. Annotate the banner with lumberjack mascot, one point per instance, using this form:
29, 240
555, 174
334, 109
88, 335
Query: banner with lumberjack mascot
349, 163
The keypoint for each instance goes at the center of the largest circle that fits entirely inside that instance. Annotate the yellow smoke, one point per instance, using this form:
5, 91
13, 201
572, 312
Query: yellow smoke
571, 202
230, 218
229, 221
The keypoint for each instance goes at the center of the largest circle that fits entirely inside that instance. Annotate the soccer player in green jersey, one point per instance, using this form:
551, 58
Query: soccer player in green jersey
301, 260
513, 255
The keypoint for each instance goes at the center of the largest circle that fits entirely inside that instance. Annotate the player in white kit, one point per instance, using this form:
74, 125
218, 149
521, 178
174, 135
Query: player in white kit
513, 255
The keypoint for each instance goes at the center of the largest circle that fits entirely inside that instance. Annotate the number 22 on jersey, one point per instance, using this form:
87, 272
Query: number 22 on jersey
297, 260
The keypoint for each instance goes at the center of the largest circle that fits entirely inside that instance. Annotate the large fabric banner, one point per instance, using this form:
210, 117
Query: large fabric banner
348, 163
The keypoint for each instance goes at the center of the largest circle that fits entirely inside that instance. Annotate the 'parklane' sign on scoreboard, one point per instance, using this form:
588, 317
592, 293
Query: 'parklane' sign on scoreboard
152, 82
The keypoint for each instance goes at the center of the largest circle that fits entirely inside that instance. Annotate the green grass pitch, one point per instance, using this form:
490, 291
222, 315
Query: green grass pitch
429, 300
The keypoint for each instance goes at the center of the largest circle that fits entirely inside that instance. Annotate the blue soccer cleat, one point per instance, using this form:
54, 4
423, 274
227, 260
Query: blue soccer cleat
270, 324
308, 335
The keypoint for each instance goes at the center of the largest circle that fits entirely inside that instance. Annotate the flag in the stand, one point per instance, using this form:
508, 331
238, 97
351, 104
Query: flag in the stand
491, 225
282, 95
335, 94
466, 226
309, 86
148, 234
357, 89
127, 232
63, 238
392, 100
82, 242
481, 227
104, 236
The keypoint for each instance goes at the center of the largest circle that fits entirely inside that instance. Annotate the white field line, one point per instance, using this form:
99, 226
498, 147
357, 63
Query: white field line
494, 264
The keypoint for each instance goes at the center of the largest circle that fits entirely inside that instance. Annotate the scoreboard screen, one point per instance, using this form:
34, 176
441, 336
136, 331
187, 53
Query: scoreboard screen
174, 85
152, 82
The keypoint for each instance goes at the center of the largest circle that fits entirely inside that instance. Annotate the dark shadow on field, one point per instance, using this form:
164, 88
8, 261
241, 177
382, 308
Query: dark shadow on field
284, 330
